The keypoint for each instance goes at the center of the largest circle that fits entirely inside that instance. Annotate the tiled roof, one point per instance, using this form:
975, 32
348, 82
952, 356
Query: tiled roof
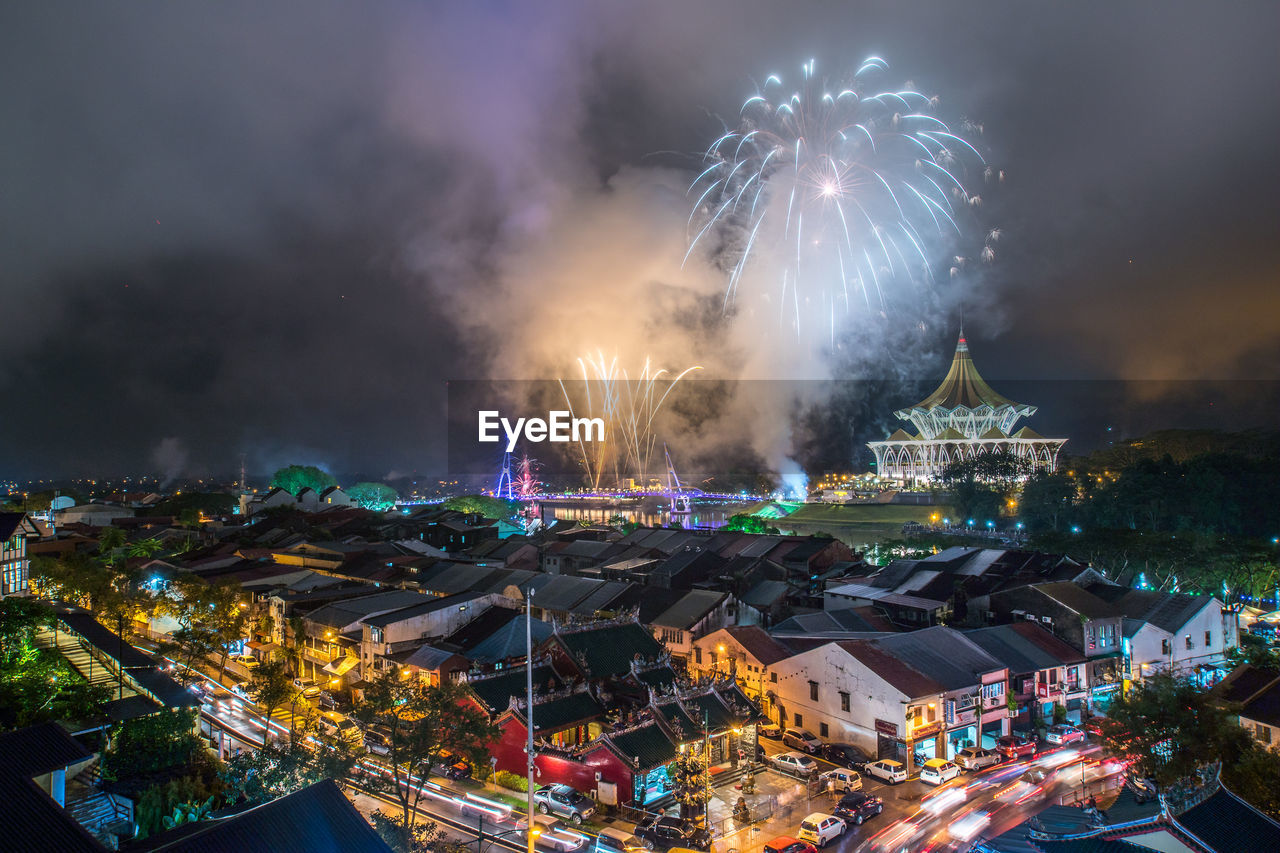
908, 681
1078, 599
1245, 682
684, 726
495, 692
647, 746
759, 644
766, 593
557, 714
1264, 707
943, 654
340, 614
1227, 824
1166, 611
316, 819
1018, 647
608, 650
658, 677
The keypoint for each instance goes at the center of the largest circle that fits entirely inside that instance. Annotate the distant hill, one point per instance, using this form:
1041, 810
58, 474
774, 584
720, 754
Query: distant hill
1184, 444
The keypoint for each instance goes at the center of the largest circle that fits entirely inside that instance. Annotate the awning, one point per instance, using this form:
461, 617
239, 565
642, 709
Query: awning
254, 645
342, 665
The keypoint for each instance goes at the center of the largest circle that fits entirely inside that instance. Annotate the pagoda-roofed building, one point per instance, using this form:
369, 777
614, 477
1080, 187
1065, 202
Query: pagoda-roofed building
965, 417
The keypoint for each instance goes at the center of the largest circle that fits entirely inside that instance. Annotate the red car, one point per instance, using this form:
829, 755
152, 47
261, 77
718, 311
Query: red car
787, 844
1012, 746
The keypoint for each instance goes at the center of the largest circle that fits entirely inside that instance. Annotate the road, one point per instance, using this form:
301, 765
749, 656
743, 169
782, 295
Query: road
918, 816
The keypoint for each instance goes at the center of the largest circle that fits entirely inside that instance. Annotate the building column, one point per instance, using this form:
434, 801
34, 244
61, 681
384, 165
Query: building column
58, 786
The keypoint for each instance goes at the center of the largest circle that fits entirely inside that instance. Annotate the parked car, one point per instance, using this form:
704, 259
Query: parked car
973, 758
938, 770
307, 688
793, 762
787, 844
247, 661
1062, 734
563, 801
612, 840
842, 780
773, 731
821, 829
857, 807
1012, 746
845, 755
377, 743
887, 770
337, 725
802, 740
664, 833
455, 766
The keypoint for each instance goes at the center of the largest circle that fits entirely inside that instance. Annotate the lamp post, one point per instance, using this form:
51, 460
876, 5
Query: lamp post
531, 835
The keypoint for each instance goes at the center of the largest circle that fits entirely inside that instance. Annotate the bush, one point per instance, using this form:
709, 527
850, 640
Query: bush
511, 781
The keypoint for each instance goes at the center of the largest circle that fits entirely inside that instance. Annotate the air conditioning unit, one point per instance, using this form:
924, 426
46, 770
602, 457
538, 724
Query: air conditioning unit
1031, 617
1046, 619
989, 615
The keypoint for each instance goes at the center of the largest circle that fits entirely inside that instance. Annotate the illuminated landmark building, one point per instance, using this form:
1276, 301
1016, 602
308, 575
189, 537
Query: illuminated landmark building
963, 419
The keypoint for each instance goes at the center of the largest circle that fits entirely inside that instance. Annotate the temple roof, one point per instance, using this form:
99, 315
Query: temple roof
963, 387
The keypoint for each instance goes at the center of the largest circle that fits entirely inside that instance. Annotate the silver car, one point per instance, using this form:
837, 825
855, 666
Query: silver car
795, 763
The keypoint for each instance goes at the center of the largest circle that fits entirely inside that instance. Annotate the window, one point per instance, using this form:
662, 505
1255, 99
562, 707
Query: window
1165, 648
799, 720
1208, 639
1189, 645
1264, 733
697, 655
773, 677
813, 691
822, 730
844, 701
375, 635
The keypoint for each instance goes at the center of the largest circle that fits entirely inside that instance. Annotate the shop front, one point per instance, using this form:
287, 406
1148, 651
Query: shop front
651, 786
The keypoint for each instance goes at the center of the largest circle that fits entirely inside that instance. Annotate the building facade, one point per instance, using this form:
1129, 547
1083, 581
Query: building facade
963, 419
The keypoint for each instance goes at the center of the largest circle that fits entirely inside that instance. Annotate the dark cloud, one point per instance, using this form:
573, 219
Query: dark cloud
279, 229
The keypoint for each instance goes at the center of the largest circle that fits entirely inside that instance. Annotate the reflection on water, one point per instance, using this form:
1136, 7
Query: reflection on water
644, 513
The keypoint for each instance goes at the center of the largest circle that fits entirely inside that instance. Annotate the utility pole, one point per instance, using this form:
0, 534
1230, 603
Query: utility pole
531, 835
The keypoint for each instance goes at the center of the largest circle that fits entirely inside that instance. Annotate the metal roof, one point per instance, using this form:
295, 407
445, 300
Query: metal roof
691, 609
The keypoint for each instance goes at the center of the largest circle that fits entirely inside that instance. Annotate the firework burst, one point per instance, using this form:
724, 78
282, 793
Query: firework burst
840, 194
628, 406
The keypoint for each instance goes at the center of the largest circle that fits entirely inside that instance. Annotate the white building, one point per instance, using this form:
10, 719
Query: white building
1184, 634
928, 693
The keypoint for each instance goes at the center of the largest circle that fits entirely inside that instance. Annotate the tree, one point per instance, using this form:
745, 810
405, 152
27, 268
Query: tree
295, 478
421, 723
271, 685
981, 487
186, 646
20, 619
484, 505
279, 769
146, 745
296, 638
1046, 501
745, 523
1168, 727
145, 547
1255, 776
110, 540
378, 497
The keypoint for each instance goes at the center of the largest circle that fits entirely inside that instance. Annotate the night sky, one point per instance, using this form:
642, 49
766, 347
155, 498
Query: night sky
279, 229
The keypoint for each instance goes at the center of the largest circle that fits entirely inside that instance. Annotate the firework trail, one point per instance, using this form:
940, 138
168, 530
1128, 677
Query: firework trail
840, 193
628, 408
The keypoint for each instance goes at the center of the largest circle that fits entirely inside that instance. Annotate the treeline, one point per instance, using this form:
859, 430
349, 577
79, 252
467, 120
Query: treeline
1224, 494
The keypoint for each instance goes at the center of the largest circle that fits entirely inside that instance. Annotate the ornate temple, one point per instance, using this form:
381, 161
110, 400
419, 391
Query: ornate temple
960, 420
